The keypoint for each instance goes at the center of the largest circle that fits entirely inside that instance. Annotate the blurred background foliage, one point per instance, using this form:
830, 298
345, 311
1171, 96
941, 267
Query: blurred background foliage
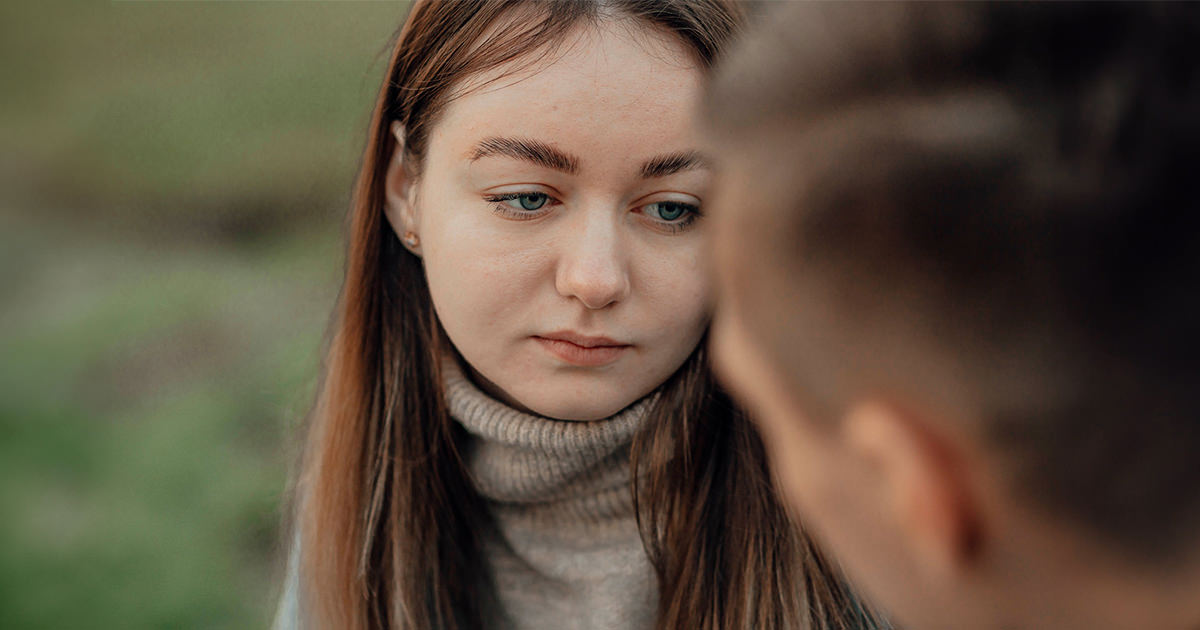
173, 178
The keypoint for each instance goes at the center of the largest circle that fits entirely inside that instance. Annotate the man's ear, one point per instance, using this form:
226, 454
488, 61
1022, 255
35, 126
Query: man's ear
400, 206
923, 472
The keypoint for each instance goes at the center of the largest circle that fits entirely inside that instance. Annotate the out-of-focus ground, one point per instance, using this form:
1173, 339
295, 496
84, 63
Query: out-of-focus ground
173, 178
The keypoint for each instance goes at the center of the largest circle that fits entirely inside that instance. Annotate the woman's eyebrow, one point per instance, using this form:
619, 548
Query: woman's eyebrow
548, 156
534, 151
672, 163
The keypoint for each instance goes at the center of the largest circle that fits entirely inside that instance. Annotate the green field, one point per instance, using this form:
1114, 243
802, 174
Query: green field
173, 178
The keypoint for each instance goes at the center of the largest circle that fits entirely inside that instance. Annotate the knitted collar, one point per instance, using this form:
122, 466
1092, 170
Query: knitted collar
541, 469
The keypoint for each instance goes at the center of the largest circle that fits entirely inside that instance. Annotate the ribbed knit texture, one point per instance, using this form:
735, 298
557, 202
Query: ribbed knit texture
566, 553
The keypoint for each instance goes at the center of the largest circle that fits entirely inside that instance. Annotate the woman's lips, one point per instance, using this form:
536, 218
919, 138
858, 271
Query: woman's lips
582, 350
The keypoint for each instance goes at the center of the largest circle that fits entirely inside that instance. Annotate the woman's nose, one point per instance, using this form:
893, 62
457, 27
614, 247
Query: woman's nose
593, 266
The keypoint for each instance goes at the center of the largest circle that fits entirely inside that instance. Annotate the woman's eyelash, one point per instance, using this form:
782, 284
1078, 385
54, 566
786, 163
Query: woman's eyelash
528, 205
679, 226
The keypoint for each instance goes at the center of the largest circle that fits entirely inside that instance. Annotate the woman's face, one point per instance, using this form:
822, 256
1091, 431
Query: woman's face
556, 212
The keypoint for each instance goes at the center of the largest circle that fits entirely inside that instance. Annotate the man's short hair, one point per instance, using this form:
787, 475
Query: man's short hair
1012, 191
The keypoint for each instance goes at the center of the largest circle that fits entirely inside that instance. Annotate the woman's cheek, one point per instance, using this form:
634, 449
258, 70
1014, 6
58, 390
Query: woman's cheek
465, 257
679, 290
496, 294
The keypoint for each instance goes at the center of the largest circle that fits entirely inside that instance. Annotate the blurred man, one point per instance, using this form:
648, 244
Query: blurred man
959, 248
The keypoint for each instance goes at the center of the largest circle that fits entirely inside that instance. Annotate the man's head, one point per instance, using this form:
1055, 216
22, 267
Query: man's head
959, 250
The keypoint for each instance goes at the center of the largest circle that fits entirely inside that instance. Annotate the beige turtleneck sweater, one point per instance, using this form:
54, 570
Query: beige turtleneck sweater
565, 553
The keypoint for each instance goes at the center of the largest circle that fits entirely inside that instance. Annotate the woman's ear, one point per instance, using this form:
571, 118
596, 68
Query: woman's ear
400, 206
922, 471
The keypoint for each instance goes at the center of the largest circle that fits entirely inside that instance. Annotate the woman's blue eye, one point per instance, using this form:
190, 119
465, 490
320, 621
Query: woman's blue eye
520, 206
668, 210
526, 201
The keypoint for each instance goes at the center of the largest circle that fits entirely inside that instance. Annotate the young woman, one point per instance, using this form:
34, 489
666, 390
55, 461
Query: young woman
517, 427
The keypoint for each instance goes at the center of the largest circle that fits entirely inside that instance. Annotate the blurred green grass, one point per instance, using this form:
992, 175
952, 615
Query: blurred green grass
193, 114
172, 180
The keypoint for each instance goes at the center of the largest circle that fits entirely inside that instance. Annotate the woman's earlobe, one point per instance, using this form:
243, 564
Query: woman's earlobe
398, 203
411, 241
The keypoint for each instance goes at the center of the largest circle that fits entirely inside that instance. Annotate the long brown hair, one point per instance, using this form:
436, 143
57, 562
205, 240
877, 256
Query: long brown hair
390, 522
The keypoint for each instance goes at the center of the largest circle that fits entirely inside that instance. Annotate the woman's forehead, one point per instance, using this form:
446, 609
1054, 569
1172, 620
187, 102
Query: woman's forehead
607, 86
584, 47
